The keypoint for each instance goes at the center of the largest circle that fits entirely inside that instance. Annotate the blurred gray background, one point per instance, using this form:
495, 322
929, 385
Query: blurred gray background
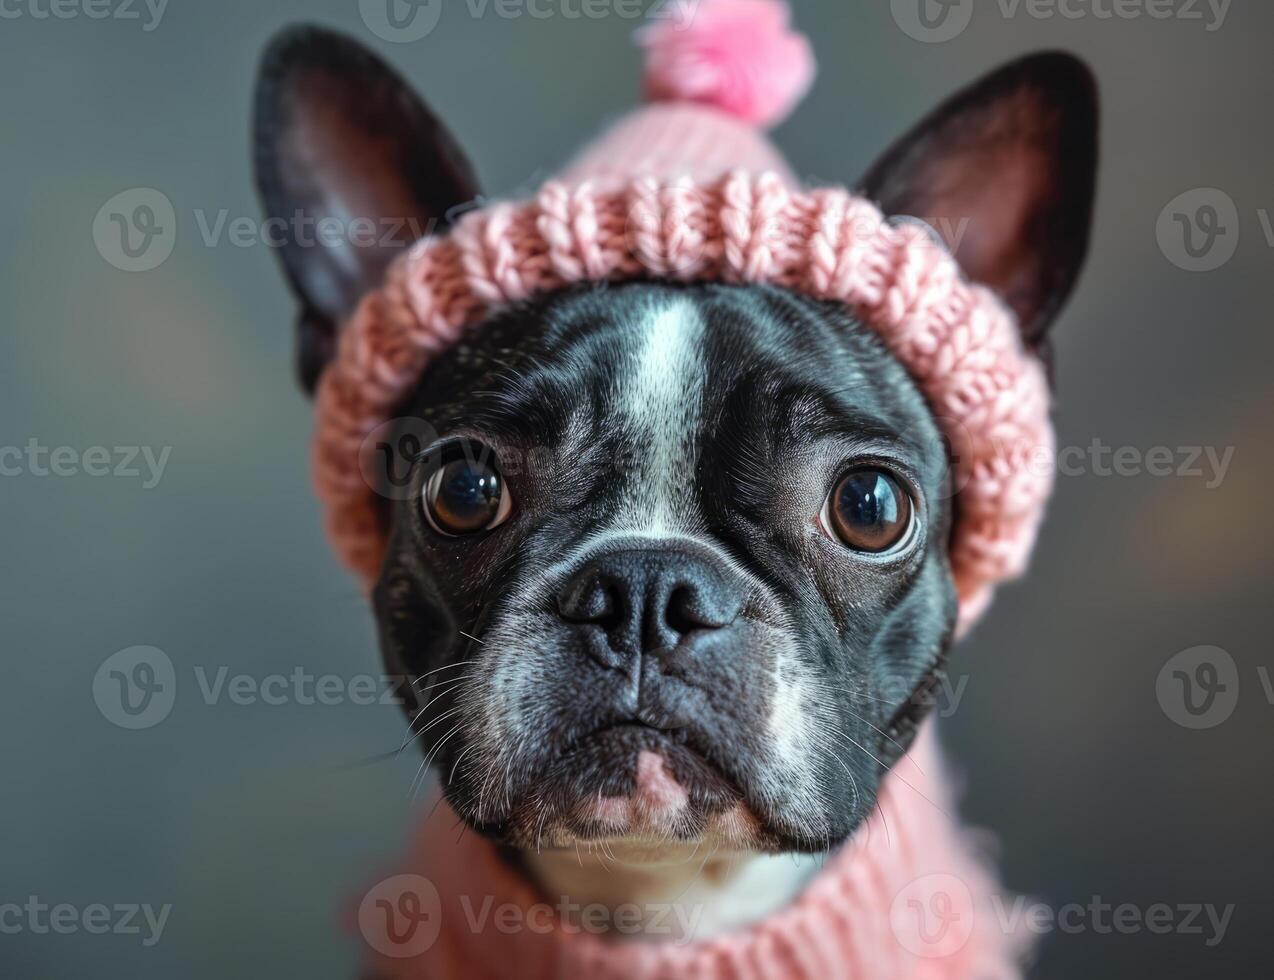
251, 820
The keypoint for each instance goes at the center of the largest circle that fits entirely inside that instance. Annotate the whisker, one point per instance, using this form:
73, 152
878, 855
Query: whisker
420, 714
362, 763
424, 763
539, 832
834, 705
457, 663
411, 789
446, 714
896, 773
456, 764
432, 809
892, 741
450, 685
853, 783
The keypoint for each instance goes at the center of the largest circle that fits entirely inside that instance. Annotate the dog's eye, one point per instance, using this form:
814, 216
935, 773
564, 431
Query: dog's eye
868, 510
465, 496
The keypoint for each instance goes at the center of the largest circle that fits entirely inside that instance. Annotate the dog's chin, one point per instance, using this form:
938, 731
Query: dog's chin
637, 786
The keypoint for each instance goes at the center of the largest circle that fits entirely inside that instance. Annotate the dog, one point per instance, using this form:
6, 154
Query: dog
673, 568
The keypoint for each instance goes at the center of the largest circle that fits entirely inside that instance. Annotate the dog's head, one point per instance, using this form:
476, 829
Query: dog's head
674, 563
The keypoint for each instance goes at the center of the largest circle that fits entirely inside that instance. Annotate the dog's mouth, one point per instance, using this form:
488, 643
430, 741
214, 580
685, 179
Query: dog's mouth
630, 779
615, 752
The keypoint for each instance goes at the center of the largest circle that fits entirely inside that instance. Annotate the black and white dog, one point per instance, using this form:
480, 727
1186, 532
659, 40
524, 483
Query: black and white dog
638, 574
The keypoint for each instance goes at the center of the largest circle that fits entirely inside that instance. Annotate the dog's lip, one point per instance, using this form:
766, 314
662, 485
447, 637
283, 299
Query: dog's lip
664, 735
668, 740
632, 724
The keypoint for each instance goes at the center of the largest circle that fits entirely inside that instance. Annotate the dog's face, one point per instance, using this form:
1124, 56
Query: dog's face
673, 563
708, 523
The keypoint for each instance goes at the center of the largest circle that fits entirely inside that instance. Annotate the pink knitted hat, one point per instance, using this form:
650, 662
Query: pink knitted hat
689, 189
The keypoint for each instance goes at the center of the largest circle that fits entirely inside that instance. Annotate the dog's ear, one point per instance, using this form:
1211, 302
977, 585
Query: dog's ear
1005, 171
351, 167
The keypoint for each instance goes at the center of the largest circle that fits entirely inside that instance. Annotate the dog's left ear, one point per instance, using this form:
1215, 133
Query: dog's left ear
1006, 172
341, 141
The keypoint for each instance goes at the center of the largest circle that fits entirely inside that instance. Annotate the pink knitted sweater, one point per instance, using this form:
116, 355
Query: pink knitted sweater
688, 189
905, 899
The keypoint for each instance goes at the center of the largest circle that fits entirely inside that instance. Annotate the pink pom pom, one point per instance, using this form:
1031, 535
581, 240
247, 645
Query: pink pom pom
738, 55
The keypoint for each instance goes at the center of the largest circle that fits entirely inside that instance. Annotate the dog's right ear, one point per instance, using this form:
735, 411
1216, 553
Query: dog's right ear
1013, 157
351, 167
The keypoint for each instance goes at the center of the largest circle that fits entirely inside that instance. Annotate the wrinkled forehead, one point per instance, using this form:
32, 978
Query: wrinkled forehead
657, 383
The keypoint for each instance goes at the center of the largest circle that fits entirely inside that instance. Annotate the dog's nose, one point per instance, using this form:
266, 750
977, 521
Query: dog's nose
650, 599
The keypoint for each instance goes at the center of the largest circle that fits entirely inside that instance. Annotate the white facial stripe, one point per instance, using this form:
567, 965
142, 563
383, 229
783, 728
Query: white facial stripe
662, 395
789, 777
788, 713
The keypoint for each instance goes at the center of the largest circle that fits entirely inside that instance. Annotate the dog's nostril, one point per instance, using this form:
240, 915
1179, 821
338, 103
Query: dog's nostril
685, 612
591, 598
